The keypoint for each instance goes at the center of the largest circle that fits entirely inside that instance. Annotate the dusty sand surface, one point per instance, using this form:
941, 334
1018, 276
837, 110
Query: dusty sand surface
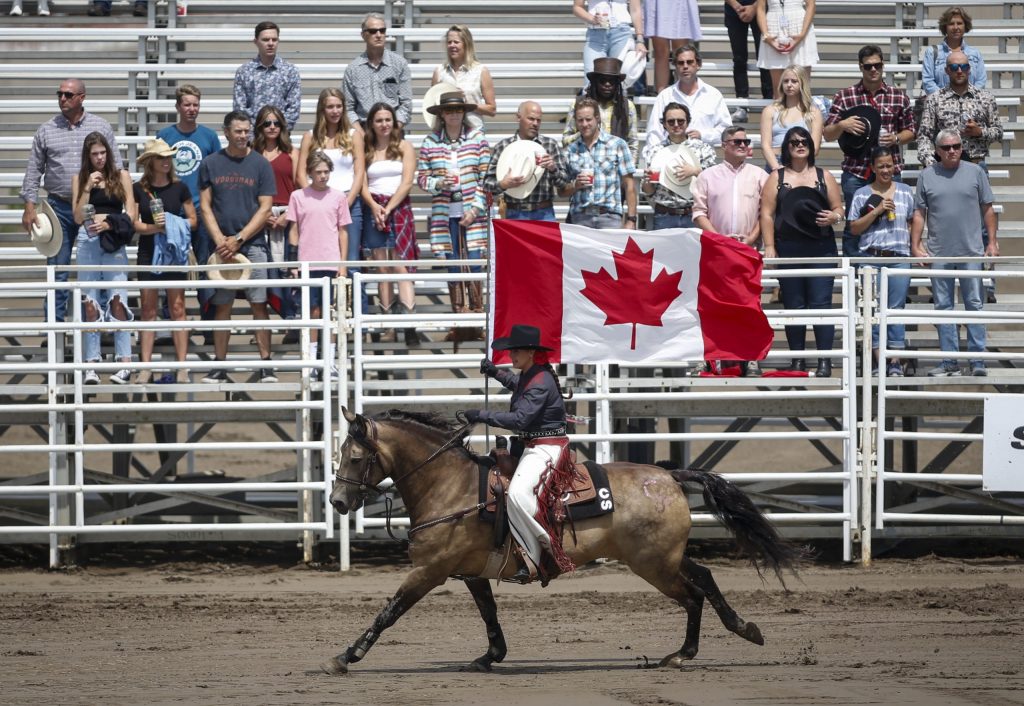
923, 631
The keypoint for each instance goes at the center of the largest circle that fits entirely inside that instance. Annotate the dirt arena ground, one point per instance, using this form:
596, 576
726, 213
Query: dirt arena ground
921, 631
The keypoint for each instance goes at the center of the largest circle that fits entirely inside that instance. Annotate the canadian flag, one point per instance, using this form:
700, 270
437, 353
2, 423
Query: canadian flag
628, 296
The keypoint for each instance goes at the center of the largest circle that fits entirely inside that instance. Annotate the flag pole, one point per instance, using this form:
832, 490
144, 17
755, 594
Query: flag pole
487, 320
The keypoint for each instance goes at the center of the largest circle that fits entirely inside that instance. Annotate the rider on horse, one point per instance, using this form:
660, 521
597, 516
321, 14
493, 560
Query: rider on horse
537, 414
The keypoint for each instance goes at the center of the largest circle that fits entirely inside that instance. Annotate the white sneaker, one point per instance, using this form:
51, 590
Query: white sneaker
91, 378
121, 377
739, 115
44, 9
16, 9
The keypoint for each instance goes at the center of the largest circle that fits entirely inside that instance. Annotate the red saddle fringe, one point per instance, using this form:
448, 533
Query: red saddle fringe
553, 484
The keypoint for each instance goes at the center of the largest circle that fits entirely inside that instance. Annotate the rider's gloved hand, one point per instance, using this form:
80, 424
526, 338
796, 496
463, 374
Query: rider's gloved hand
473, 415
488, 368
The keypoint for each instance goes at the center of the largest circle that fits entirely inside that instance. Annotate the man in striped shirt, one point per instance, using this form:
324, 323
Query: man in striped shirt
55, 159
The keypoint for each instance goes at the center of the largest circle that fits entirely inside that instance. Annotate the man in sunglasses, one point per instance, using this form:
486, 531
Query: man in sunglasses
897, 128
268, 79
55, 159
955, 199
708, 113
378, 75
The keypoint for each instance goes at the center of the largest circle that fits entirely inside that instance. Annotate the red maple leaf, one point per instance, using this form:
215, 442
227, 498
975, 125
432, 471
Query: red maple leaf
631, 296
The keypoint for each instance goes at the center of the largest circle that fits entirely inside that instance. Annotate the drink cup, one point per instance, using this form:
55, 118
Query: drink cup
891, 215
182, 8
156, 207
588, 177
455, 179
537, 158
89, 211
655, 176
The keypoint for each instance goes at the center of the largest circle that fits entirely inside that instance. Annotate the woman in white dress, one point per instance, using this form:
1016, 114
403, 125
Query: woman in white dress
787, 37
670, 24
461, 69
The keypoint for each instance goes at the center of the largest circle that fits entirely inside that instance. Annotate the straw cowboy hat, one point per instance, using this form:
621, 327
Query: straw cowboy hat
522, 336
799, 213
519, 159
606, 66
432, 96
232, 274
451, 99
156, 148
665, 162
46, 233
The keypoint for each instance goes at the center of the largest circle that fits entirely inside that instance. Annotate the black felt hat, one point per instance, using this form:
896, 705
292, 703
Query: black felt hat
873, 202
860, 146
522, 336
799, 211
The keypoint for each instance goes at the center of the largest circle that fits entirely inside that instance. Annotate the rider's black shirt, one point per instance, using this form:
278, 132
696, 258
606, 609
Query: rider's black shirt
536, 404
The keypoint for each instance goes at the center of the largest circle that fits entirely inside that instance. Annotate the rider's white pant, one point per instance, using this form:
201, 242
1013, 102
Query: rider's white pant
522, 500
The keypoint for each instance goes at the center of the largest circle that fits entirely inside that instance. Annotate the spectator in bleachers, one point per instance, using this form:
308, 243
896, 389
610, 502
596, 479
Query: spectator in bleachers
880, 216
378, 75
268, 79
452, 163
42, 8
319, 220
525, 197
274, 142
389, 227
740, 20
618, 114
955, 197
159, 181
602, 167
954, 24
800, 203
787, 37
897, 127
708, 114
194, 143
462, 69
335, 136
793, 107
56, 158
102, 195
670, 24
686, 157
612, 25
102, 8
237, 191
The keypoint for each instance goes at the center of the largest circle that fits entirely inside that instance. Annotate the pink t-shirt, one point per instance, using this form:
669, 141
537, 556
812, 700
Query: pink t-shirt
320, 215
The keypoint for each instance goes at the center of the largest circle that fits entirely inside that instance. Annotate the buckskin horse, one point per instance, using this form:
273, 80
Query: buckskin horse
438, 478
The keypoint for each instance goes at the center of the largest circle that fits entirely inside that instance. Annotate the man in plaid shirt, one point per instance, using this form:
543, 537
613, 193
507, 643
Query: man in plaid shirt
898, 128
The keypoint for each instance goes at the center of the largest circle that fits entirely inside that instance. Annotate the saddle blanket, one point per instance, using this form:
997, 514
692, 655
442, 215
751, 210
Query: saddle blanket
595, 498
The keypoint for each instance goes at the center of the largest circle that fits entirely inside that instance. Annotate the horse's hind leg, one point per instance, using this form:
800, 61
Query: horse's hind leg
701, 578
496, 649
685, 593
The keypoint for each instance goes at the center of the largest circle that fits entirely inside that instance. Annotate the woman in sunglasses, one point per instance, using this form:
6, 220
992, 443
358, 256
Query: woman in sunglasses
275, 144
792, 108
954, 24
800, 204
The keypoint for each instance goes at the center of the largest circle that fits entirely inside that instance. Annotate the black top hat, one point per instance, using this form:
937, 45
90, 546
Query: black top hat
860, 146
799, 211
454, 99
522, 336
607, 66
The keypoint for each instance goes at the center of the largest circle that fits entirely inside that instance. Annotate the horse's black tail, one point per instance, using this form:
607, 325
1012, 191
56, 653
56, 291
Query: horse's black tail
755, 535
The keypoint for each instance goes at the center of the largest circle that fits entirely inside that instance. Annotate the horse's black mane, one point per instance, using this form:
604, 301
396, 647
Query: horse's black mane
431, 421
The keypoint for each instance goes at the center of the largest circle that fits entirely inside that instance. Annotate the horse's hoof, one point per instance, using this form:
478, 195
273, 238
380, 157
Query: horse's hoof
477, 665
753, 634
674, 661
334, 667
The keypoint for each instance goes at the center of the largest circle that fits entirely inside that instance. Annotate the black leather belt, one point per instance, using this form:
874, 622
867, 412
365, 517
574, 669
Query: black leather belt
530, 435
885, 253
673, 211
531, 207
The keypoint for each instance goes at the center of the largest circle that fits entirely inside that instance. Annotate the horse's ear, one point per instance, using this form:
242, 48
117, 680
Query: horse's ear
349, 416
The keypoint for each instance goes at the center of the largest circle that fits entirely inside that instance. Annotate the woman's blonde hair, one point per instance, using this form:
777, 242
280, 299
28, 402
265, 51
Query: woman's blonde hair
344, 134
284, 138
803, 97
146, 180
467, 42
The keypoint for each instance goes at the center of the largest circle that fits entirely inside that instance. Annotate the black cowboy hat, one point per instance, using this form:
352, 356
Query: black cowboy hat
607, 66
859, 146
873, 202
522, 336
799, 211
454, 99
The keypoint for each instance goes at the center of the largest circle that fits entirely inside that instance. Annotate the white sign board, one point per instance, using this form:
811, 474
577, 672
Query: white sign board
1003, 459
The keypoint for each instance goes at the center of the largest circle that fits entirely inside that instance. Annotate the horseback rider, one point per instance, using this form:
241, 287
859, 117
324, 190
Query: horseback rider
537, 414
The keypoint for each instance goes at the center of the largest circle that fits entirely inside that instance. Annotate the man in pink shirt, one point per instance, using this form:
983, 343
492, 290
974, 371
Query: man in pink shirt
727, 197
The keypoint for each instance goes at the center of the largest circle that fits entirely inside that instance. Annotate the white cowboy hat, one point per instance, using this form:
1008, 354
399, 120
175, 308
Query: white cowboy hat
231, 273
633, 65
670, 157
520, 160
432, 97
46, 233
156, 148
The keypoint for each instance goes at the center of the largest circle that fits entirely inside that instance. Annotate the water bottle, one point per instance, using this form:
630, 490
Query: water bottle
156, 207
89, 211
784, 39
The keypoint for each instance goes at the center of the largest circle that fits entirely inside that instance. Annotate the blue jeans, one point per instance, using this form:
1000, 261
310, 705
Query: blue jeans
604, 42
65, 215
807, 293
896, 334
597, 220
540, 214
90, 252
970, 292
667, 220
849, 184
355, 243
456, 253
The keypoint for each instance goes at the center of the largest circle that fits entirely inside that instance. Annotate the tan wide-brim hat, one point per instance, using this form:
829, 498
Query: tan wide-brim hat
156, 148
230, 273
46, 233
520, 160
670, 157
431, 98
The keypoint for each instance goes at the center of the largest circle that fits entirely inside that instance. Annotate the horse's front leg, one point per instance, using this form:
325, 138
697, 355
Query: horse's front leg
496, 649
417, 584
